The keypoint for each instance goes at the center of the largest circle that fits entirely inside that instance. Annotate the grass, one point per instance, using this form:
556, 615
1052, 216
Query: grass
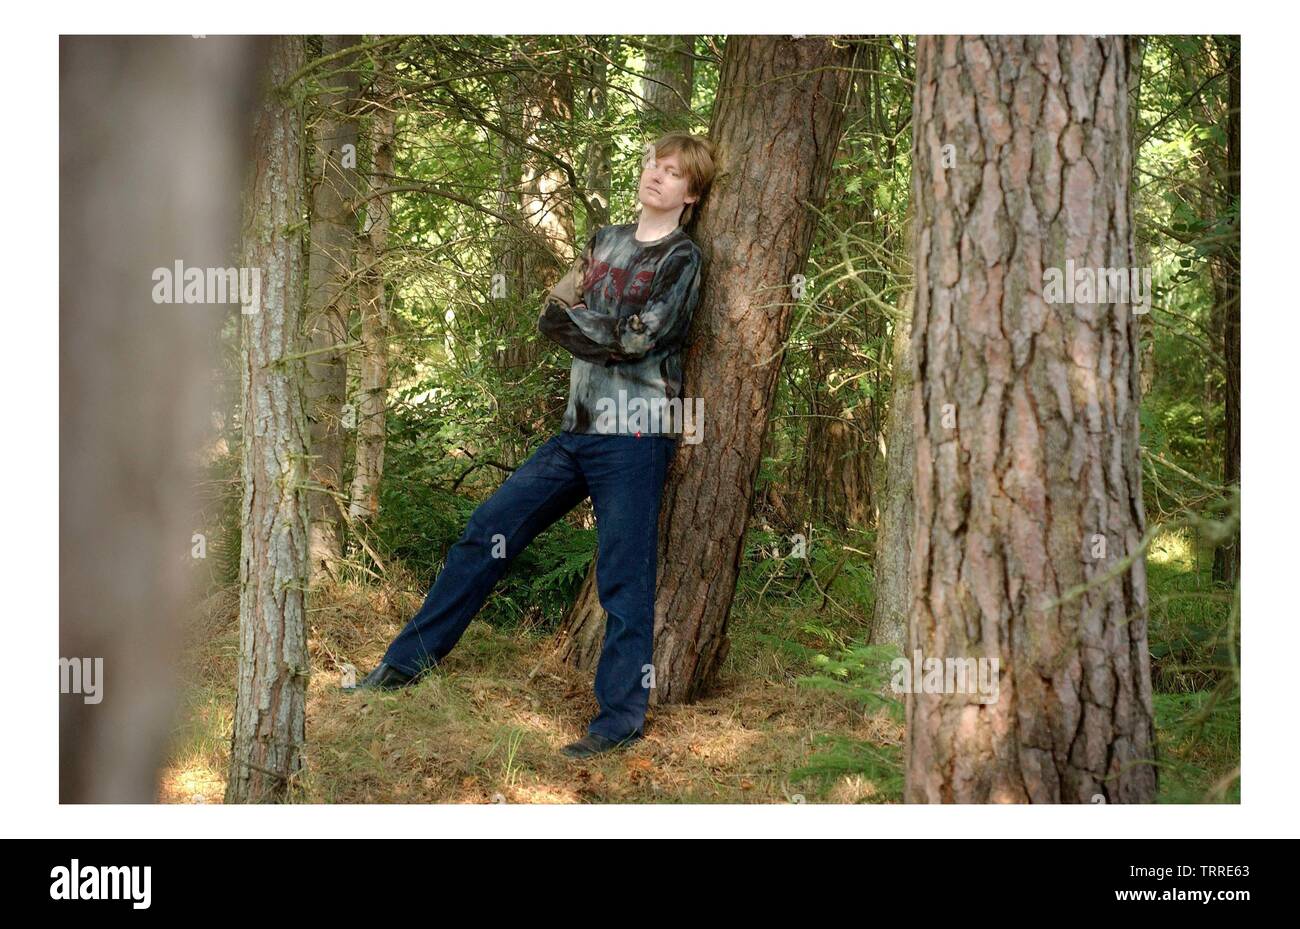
1200, 745
1195, 674
487, 725
479, 730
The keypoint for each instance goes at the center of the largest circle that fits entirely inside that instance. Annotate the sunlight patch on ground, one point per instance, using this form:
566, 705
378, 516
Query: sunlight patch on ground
195, 783
1174, 550
852, 788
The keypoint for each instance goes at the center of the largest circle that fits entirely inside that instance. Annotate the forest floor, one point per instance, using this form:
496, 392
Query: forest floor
479, 729
488, 724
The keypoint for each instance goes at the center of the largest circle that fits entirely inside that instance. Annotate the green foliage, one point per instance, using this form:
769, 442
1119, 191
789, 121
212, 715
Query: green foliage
220, 498
1193, 635
1200, 746
421, 518
1187, 223
831, 585
836, 756
862, 675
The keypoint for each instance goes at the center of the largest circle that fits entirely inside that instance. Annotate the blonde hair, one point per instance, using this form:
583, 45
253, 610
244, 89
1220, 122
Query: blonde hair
697, 162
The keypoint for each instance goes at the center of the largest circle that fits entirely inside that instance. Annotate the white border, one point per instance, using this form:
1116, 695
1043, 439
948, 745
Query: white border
28, 784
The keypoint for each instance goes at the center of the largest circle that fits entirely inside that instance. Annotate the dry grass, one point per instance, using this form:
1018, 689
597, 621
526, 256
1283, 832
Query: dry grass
480, 730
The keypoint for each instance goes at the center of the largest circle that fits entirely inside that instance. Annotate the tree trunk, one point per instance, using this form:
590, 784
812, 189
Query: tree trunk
668, 82
537, 191
893, 555
1227, 558
1141, 240
267, 742
548, 209
372, 394
530, 188
599, 169
152, 146
510, 257
894, 529
1028, 487
329, 267
838, 453
776, 125
838, 470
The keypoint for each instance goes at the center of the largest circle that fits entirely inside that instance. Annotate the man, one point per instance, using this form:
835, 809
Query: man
623, 312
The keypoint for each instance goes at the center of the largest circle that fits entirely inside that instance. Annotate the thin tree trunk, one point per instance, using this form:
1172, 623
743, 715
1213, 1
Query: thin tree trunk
540, 194
668, 82
893, 555
140, 119
840, 448
599, 170
547, 203
894, 529
266, 749
372, 394
509, 246
838, 453
1141, 242
776, 125
333, 244
1028, 487
1227, 558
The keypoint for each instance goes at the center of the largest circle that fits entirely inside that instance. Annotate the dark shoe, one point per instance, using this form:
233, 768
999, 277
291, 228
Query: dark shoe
384, 677
592, 744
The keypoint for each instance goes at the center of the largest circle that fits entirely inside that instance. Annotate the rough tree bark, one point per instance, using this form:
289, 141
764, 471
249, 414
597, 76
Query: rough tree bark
1028, 482
266, 750
893, 554
893, 591
547, 205
776, 123
329, 269
372, 392
153, 135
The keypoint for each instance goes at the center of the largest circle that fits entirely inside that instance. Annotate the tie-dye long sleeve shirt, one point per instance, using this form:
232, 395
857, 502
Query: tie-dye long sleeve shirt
627, 334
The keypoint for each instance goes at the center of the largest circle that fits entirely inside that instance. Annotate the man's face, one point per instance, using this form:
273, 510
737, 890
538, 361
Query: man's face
663, 183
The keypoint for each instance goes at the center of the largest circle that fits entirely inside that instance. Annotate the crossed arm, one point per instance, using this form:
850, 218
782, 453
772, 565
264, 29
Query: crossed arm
605, 340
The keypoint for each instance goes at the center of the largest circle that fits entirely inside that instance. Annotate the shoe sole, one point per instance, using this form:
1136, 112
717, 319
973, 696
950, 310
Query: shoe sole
372, 690
617, 746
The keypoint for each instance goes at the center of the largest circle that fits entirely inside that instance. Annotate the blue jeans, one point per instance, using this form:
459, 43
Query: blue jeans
624, 476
